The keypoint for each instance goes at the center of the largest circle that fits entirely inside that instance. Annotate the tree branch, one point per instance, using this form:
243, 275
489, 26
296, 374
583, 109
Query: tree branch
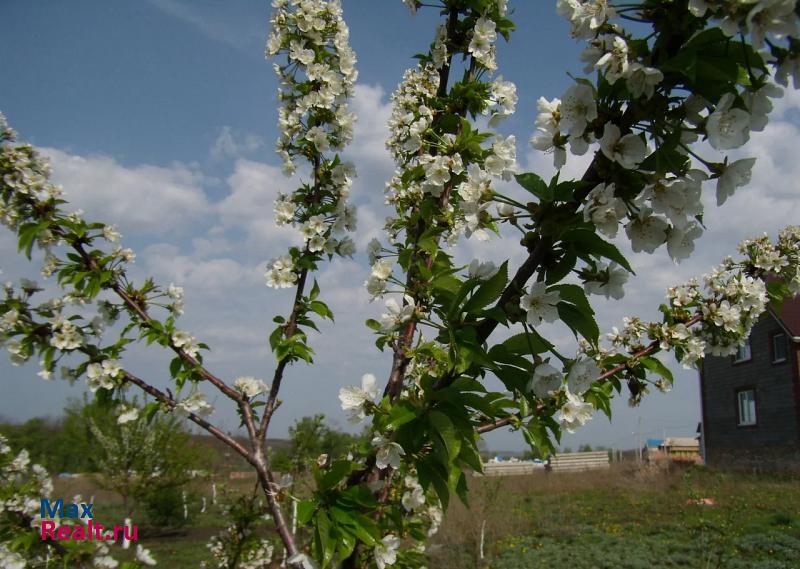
646, 351
290, 328
144, 318
205, 425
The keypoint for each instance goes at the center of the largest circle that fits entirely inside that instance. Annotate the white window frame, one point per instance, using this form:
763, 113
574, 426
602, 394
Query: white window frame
743, 353
746, 415
782, 337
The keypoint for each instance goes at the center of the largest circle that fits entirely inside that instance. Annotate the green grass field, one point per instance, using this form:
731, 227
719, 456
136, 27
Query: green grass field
627, 520
620, 519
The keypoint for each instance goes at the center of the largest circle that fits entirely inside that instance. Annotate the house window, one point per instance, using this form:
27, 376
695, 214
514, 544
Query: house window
778, 348
743, 353
747, 407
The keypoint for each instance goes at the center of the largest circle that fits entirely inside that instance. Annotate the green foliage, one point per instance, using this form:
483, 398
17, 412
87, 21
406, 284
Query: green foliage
243, 542
311, 437
164, 507
141, 457
48, 444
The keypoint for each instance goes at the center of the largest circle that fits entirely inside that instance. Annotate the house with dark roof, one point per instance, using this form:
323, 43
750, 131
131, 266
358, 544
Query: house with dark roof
751, 401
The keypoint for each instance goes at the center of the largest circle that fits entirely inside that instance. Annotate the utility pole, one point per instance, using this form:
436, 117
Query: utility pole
639, 441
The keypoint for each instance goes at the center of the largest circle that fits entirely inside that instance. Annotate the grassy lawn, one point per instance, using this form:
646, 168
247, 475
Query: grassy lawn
618, 519
626, 520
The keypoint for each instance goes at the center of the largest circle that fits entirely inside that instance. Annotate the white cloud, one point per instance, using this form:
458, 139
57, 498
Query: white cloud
230, 144
371, 130
213, 21
145, 199
214, 277
253, 187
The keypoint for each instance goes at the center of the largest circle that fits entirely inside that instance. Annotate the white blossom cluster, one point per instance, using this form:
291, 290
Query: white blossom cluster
175, 294
666, 211
23, 335
549, 382
257, 552
539, 304
411, 114
414, 496
482, 44
281, 272
713, 317
318, 77
316, 82
430, 164
607, 279
728, 302
22, 484
250, 387
25, 183
357, 400
57, 331
565, 120
27, 194
104, 375
397, 313
195, 404
761, 19
389, 453
385, 551
253, 558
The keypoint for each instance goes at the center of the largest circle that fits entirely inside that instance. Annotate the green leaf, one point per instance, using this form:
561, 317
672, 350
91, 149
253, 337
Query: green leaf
520, 344
466, 287
489, 291
600, 397
535, 185
711, 62
665, 159
431, 473
347, 542
28, 234
562, 268
470, 456
588, 242
275, 337
579, 322
327, 544
777, 292
150, 411
459, 482
335, 474
536, 435
447, 432
655, 366
305, 511
575, 295
446, 283
363, 528
314, 291
401, 414
321, 308
175, 366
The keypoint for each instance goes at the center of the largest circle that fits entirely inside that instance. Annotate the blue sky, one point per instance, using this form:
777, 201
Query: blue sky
160, 116
155, 81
